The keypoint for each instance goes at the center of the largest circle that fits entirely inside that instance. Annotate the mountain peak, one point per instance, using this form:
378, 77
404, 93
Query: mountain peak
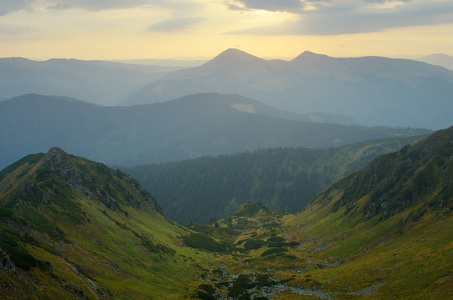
234, 52
62, 164
68, 174
233, 58
310, 56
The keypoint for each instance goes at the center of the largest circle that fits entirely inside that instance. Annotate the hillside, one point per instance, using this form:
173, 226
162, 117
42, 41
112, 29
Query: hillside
192, 126
284, 179
72, 228
390, 225
382, 233
372, 90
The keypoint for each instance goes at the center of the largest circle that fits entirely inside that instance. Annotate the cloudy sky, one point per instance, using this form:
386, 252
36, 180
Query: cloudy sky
130, 29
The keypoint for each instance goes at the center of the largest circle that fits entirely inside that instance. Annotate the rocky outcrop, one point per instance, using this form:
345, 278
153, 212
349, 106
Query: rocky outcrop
6, 263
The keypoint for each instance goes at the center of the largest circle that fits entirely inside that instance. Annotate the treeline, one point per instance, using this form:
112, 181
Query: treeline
284, 179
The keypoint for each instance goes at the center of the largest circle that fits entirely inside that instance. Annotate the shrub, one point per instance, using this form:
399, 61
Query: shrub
201, 241
254, 244
273, 251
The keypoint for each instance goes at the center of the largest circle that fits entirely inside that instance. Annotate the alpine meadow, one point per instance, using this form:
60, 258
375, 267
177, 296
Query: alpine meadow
239, 149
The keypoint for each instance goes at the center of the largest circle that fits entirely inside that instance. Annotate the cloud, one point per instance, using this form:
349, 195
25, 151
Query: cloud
175, 24
14, 32
269, 5
348, 17
7, 6
100, 5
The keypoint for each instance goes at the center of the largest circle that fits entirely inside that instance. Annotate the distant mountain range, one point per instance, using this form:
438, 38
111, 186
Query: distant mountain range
439, 59
192, 126
372, 90
100, 82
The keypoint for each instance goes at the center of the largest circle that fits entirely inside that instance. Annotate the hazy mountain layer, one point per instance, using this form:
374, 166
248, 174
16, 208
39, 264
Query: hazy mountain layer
99, 82
284, 179
193, 126
443, 60
372, 90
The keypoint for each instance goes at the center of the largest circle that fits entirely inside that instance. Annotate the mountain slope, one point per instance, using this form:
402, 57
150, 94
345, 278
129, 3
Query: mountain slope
389, 225
72, 228
99, 82
372, 90
284, 179
192, 126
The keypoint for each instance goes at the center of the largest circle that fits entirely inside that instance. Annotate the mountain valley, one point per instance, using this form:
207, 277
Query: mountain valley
74, 228
283, 179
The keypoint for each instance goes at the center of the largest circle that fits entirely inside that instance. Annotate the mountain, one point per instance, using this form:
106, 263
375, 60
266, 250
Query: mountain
197, 125
99, 82
443, 60
384, 232
283, 179
372, 90
73, 228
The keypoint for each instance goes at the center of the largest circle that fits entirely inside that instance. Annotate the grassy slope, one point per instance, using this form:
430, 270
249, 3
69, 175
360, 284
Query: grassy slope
123, 253
407, 246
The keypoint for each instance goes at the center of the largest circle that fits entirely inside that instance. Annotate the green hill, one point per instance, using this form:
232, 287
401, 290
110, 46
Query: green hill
71, 228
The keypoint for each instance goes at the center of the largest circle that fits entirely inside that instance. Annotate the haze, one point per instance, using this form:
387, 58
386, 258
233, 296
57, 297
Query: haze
100, 29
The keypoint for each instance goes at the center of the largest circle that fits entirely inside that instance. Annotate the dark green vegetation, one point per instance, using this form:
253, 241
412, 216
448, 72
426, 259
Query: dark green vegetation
192, 126
71, 228
284, 179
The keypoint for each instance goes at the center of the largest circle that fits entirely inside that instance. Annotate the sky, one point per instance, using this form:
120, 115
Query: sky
201, 29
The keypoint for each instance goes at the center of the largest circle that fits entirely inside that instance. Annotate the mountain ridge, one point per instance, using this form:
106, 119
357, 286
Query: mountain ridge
184, 128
